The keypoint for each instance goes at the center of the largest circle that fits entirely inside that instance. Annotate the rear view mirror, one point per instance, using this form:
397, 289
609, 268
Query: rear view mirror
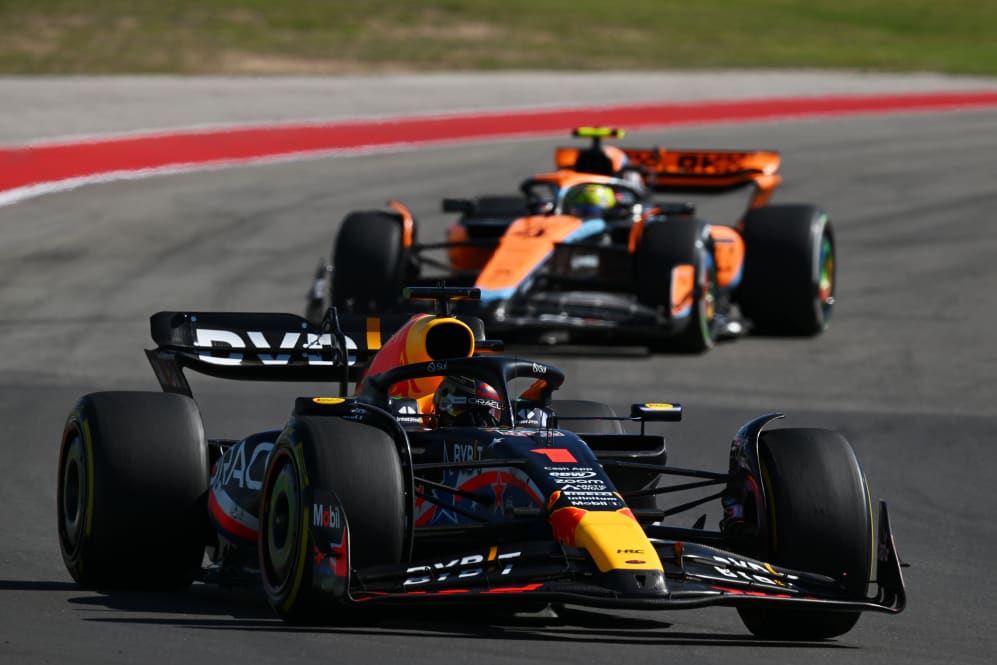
657, 412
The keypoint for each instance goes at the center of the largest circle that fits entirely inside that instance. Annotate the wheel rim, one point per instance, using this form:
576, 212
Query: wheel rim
73, 492
825, 283
282, 521
708, 305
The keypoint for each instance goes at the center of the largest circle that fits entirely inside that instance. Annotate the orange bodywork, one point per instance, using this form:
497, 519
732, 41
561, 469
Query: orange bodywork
636, 234
372, 334
523, 246
728, 250
711, 169
463, 258
683, 288
695, 169
408, 222
514, 259
528, 240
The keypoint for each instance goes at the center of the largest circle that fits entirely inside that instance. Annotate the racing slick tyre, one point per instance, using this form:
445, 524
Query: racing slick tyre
663, 247
789, 270
820, 520
317, 462
133, 481
371, 263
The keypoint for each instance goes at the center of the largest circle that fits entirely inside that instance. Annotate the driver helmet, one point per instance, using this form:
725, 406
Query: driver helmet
462, 401
589, 201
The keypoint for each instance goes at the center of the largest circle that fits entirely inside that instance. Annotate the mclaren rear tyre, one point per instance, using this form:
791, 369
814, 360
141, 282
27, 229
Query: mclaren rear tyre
789, 270
338, 473
665, 249
819, 520
371, 263
133, 481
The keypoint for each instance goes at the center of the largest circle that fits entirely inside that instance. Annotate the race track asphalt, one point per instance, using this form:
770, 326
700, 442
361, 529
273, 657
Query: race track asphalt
906, 372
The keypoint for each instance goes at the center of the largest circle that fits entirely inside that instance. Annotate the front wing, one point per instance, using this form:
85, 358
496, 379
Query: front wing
695, 575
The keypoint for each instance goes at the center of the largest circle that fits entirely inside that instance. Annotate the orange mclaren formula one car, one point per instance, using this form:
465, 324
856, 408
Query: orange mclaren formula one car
588, 251
454, 475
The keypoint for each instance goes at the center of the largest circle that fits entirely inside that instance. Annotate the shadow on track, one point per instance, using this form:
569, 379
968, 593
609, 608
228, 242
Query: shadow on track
209, 608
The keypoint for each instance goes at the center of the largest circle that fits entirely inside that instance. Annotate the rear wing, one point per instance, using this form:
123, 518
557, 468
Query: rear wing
695, 171
264, 346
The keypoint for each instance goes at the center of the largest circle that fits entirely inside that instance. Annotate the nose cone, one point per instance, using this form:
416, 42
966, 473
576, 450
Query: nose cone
642, 583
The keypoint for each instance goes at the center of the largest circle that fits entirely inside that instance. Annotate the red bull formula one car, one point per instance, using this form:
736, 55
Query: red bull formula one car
453, 474
589, 252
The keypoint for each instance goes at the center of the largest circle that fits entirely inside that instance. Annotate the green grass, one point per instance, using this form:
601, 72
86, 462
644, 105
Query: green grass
338, 37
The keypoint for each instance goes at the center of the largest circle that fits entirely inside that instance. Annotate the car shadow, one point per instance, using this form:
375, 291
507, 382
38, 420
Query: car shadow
206, 607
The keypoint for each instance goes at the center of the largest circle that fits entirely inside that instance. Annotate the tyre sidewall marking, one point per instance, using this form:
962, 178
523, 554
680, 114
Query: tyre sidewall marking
299, 574
88, 453
297, 456
72, 453
872, 527
276, 457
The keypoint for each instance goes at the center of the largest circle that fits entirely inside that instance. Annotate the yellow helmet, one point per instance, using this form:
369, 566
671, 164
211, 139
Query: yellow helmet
589, 201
